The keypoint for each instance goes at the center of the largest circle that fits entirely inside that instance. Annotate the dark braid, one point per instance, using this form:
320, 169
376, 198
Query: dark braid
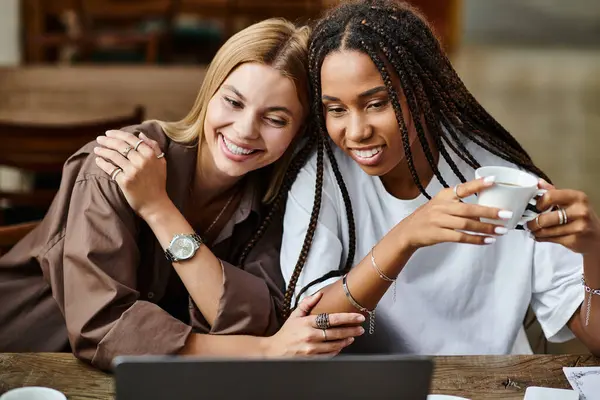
312, 226
393, 34
295, 166
351, 228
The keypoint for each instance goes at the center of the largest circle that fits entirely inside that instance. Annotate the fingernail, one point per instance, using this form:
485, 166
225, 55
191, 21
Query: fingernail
100, 138
505, 214
142, 135
350, 340
489, 240
488, 180
96, 149
500, 230
360, 318
361, 330
97, 159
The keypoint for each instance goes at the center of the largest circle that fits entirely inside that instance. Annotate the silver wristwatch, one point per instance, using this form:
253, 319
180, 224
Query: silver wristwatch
183, 247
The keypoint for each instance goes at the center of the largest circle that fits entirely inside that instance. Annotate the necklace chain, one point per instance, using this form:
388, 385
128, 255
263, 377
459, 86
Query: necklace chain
220, 214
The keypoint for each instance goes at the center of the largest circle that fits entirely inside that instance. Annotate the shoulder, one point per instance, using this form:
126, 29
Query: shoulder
82, 163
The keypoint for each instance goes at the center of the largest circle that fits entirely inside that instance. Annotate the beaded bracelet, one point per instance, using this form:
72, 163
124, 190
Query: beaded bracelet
358, 306
591, 292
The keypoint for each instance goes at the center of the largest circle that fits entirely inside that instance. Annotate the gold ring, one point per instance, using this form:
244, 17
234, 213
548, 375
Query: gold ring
324, 334
126, 151
537, 222
138, 144
114, 174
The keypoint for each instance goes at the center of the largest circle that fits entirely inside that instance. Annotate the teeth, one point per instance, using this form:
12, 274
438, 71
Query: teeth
368, 153
235, 149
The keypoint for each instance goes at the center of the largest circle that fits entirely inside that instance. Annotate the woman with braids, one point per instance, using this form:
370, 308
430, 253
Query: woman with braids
388, 230
137, 253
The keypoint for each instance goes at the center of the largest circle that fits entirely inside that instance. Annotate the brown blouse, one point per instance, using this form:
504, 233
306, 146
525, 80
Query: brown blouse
92, 275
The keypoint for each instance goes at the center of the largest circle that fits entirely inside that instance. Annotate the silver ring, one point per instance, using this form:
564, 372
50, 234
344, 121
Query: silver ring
322, 321
114, 174
324, 334
138, 144
126, 151
161, 155
455, 190
562, 216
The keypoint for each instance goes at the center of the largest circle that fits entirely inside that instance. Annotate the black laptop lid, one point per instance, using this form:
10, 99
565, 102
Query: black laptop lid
343, 377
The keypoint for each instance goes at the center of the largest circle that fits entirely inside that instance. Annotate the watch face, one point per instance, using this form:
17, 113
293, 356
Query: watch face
183, 247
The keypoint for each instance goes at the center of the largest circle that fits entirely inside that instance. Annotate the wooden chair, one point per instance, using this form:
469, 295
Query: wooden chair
11, 234
43, 149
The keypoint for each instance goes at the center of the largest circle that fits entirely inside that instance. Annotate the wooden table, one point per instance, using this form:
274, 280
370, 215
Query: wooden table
475, 377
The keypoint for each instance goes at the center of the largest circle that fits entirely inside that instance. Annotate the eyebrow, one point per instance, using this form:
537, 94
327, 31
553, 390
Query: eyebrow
364, 94
270, 109
283, 109
234, 90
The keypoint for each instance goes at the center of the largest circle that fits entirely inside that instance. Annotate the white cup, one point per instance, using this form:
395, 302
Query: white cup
513, 190
33, 393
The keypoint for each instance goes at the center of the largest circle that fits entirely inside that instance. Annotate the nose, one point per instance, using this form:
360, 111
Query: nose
246, 126
358, 129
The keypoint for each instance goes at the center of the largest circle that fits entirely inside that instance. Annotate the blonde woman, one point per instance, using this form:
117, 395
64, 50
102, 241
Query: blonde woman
165, 237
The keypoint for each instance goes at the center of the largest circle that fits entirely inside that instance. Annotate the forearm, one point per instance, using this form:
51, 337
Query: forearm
364, 283
202, 275
225, 345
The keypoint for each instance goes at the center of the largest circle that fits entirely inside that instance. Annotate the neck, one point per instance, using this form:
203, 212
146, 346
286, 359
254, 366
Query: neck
399, 181
209, 181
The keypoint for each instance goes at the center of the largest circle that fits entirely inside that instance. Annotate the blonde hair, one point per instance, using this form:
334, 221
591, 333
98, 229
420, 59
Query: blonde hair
274, 42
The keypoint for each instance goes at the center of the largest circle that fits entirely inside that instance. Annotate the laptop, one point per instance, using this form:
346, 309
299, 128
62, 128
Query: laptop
342, 377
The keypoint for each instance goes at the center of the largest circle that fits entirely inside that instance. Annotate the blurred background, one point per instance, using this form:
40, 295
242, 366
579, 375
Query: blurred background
69, 69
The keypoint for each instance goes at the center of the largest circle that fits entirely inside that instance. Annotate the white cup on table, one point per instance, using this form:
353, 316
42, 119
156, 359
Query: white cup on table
513, 190
33, 393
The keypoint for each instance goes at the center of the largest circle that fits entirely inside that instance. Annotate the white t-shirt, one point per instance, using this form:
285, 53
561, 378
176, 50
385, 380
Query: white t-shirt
451, 298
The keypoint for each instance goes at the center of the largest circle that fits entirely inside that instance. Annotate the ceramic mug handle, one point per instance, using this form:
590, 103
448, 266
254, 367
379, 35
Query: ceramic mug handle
529, 215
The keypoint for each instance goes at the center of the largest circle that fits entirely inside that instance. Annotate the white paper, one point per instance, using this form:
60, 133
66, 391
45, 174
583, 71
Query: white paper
585, 380
544, 393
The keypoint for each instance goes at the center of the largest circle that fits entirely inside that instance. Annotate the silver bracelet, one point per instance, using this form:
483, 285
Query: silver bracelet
358, 306
382, 275
590, 292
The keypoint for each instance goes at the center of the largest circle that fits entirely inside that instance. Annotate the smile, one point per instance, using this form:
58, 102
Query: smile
235, 149
367, 154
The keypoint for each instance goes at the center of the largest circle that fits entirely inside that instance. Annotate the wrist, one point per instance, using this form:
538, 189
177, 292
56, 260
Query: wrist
404, 242
157, 212
265, 347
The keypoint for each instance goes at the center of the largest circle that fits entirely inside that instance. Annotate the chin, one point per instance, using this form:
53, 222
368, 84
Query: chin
374, 170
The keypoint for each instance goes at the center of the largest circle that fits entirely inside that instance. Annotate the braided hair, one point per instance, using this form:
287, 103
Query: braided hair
400, 43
